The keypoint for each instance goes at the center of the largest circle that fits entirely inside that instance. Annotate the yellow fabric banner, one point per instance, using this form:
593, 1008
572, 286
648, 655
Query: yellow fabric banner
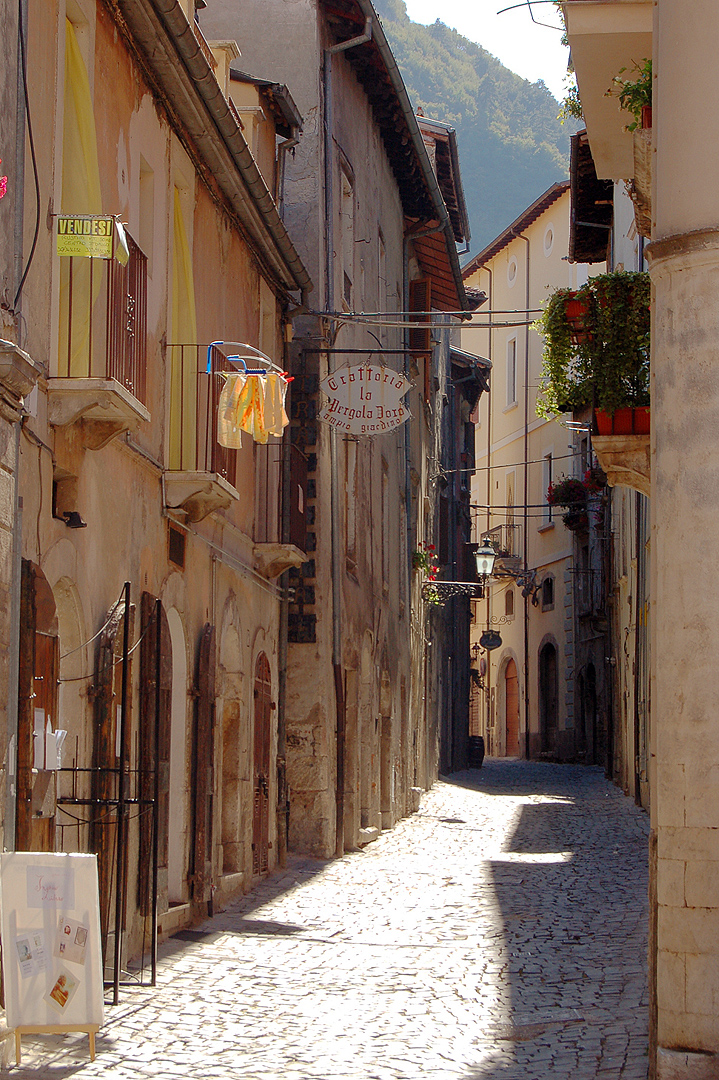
184, 367
81, 194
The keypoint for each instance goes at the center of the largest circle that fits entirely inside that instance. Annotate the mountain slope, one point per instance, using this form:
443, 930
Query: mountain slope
511, 144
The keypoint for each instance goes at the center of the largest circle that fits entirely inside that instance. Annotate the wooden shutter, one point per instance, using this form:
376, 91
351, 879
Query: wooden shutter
37, 704
420, 341
203, 760
106, 763
298, 497
146, 763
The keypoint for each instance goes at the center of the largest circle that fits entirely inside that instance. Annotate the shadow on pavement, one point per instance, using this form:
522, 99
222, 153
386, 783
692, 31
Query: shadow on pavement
570, 886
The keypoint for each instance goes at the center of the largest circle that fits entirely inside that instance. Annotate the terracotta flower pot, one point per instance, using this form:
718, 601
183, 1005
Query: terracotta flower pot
646, 116
576, 309
623, 421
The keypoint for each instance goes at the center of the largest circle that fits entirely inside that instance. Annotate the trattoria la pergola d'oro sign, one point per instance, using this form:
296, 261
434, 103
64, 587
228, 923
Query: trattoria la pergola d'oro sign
365, 399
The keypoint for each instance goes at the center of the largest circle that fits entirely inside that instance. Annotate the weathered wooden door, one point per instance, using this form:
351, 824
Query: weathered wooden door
151, 737
261, 803
107, 763
203, 764
37, 711
511, 709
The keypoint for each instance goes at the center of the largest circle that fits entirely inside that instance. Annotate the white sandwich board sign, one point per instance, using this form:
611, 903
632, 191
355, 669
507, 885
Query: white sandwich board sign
51, 954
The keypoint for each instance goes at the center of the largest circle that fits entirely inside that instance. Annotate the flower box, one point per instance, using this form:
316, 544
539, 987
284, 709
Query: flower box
623, 421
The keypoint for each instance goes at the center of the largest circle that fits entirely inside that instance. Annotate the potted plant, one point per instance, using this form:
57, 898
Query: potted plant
635, 94
574, 494
607, 365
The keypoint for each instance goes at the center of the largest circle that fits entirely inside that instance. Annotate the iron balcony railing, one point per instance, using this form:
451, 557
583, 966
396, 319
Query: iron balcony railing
194, 400
505, 539
103, 320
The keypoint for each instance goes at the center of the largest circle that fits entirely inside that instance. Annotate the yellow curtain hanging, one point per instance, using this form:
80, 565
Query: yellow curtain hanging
184, 362
81, 194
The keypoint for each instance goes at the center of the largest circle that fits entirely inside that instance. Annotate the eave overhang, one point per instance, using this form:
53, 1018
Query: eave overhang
604, 37
183, 79
376, 69
592, 209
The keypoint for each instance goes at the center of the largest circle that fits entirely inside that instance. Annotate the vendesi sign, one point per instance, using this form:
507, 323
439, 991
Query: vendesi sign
365, 399
91, 236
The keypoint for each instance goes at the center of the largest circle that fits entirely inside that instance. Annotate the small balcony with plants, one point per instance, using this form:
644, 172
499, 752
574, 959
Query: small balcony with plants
596, 353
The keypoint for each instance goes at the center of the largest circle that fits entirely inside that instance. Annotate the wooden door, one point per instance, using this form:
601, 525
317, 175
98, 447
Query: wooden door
548, 697
261, 787
511, 709
204, 759
37, 711
148, 738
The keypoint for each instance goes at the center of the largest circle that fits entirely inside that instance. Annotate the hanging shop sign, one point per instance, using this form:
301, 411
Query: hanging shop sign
91, 237
365, 399
490, 639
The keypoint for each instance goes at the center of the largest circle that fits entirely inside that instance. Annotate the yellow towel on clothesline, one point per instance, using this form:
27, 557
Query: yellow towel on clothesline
251, 403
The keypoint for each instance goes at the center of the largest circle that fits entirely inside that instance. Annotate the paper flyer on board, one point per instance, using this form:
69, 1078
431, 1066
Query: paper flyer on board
31, 953
63, 990
71, 943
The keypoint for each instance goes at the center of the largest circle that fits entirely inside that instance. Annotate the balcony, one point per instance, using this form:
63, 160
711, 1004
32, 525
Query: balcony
102, 354
506, 541
18, 374
604, 38
200, 475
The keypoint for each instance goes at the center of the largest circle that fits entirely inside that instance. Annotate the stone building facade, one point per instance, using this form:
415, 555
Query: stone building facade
680, 210
368, 211
524, 694
122, 478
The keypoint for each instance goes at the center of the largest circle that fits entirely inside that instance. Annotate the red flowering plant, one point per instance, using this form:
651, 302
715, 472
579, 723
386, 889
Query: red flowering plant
425, 559
573, 493
3, 183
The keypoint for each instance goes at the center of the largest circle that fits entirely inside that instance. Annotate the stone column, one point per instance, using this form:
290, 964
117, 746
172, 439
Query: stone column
684, 261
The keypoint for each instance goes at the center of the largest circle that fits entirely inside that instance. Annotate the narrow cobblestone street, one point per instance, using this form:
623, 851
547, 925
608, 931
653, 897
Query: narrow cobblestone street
499, 932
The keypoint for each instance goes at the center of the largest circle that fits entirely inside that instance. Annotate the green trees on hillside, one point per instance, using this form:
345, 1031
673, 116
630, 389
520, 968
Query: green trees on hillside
512, 145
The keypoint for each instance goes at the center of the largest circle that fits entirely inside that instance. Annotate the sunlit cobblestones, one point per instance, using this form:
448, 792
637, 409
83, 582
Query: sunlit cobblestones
499, 932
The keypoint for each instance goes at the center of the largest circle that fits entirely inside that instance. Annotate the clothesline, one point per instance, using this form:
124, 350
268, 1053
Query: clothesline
252, 399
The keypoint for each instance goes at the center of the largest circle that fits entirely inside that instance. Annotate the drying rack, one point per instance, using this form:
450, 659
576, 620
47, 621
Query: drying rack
253, 355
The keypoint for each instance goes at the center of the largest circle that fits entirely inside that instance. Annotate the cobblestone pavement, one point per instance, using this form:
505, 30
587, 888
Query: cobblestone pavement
499, 932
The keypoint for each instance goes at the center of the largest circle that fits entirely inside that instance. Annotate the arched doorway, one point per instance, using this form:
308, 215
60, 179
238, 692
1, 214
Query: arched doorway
548, 697
511, 709
261, 784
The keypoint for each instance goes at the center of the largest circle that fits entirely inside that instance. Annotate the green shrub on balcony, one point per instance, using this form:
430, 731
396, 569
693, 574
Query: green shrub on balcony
596, 345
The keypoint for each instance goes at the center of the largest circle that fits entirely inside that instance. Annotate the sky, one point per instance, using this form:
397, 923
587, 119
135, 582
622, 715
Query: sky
534, 52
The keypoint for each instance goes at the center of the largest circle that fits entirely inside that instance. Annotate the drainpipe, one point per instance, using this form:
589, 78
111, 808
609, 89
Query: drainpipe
18, 180
525, 539
342, 46
13, 660
283, 795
